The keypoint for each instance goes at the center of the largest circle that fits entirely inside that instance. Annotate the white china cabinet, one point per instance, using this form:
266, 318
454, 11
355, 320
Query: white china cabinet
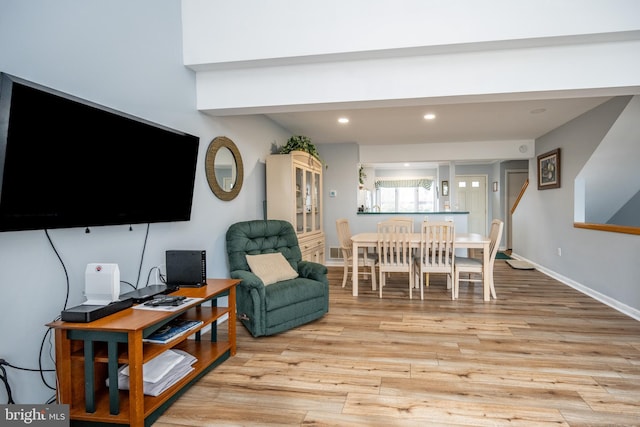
294, 194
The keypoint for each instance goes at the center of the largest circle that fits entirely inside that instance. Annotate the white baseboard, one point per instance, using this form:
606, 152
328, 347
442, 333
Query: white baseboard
615, 304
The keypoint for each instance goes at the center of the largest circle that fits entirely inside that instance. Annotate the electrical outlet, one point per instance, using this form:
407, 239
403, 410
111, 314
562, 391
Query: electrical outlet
559, 251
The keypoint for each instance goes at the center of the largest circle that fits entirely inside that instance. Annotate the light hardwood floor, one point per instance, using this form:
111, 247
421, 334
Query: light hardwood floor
542, 354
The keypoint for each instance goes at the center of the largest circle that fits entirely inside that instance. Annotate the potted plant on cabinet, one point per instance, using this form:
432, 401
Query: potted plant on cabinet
300, 143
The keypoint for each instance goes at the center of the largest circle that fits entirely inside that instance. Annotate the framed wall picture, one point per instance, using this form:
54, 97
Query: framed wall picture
549, 170
445, 188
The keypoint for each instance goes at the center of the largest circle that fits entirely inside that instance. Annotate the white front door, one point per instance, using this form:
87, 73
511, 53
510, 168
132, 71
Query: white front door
471, 196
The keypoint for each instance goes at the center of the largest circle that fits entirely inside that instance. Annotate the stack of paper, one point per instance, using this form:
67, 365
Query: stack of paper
160, 373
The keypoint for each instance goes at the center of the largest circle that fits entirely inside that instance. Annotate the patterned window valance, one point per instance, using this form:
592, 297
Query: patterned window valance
395, 183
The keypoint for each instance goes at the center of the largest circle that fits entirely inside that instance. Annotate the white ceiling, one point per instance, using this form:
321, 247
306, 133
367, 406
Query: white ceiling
461, 122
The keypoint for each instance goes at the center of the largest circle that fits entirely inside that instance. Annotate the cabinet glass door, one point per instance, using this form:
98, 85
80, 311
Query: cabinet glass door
317, 201
300, 203
308, 202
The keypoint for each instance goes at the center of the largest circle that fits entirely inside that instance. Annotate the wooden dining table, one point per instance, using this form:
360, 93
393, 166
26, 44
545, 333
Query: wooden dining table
462, 241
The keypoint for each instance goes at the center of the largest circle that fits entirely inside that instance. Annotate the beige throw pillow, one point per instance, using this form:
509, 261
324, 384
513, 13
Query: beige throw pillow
271, 268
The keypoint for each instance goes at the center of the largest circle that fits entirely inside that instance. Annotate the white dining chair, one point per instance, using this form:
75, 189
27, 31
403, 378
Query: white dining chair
475, 265
402, 220
394, 251
365, 259
436, 253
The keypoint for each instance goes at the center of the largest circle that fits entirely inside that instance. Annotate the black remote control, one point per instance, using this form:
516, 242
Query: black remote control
166, 300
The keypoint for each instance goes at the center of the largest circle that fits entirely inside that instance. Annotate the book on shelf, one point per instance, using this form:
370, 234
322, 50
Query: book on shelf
172, 330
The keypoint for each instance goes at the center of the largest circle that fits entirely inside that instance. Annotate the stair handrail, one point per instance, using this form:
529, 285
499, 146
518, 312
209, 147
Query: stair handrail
515, 204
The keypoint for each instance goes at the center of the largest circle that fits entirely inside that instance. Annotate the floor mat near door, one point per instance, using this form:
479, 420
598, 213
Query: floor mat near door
520, 265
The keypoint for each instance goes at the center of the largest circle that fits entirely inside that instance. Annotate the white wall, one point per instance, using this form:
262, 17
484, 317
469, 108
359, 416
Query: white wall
606, 170
293, 56
602, 264
299, 29
442, 151
341, 175
128, 56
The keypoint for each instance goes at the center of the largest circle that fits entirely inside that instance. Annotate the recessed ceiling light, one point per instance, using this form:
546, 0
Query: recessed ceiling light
406, 165
343, 120
429, 116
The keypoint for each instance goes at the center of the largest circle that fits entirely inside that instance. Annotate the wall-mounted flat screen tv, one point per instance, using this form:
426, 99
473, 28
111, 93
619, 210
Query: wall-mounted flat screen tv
67, 162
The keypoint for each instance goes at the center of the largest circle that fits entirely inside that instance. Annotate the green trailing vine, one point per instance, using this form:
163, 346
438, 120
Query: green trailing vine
361, 175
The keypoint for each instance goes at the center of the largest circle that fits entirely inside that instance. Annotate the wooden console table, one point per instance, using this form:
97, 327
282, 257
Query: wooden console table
89, 353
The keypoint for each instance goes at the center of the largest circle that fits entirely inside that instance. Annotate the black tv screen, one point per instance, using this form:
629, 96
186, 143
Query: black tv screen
66, 162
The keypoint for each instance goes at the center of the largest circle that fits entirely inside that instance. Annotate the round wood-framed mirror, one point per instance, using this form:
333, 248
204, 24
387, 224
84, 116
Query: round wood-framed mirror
223, 165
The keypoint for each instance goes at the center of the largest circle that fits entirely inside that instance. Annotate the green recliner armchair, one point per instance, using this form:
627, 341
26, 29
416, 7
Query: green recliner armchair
285, 304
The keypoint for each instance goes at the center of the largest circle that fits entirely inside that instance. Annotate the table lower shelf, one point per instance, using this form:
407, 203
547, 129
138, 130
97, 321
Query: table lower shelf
209, 355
